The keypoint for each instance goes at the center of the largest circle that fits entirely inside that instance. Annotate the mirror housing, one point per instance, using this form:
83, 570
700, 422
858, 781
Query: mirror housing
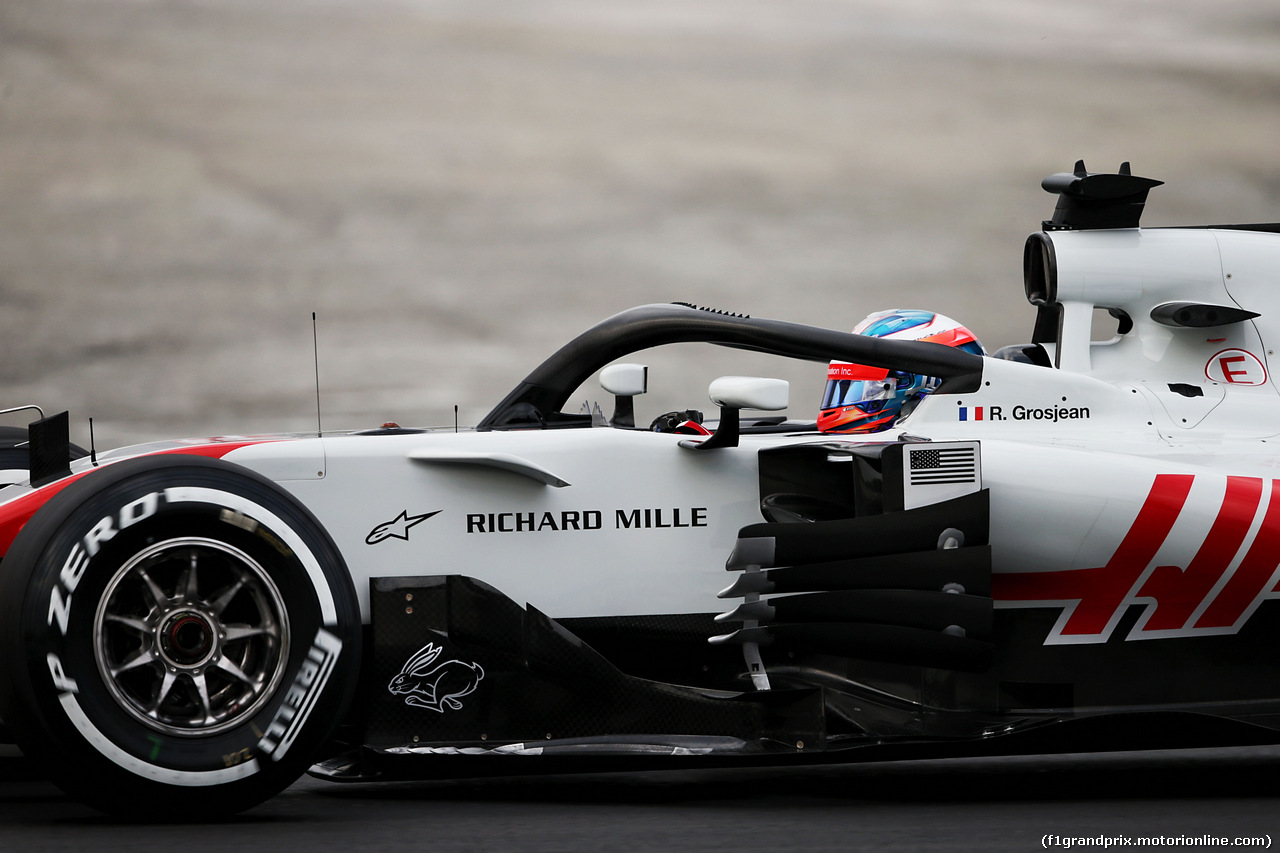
624, 381
750, 392
734, 393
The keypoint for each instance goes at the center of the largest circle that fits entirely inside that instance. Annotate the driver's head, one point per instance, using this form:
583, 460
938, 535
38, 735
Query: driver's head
859, 398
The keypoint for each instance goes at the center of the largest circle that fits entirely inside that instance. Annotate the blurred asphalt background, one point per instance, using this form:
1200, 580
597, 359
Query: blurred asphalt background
456, 188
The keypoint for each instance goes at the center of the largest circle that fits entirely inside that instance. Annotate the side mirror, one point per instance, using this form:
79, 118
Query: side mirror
734, 393
624, 381
750, 392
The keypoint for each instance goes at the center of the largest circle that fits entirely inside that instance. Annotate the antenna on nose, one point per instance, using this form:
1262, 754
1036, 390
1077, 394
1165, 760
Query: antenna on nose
315, 351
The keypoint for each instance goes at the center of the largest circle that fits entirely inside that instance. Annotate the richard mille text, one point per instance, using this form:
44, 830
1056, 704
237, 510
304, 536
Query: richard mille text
589, 519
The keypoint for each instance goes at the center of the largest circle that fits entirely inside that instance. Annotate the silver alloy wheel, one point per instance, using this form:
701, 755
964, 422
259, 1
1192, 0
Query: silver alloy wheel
191, 636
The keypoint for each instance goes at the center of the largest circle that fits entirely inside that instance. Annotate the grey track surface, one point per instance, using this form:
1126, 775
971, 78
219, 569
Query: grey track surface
951, 805
458, 187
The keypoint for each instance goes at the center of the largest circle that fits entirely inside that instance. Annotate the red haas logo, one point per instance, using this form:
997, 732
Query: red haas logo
1205, 597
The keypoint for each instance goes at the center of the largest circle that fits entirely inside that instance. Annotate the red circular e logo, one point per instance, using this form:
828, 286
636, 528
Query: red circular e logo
1236, 367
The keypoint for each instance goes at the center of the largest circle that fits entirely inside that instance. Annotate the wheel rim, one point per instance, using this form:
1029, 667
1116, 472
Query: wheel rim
191, 636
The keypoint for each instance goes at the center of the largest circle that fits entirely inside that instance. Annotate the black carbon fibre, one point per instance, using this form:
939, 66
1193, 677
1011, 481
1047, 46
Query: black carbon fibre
926, 570
891, 533
512, 675
544, 391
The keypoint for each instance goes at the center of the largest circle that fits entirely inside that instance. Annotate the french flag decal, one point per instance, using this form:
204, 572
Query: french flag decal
977, 413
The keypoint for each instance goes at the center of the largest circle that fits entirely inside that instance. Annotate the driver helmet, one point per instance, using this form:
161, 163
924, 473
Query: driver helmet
860, 398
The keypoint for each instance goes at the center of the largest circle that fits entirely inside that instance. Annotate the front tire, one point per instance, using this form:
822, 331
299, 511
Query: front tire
178, 637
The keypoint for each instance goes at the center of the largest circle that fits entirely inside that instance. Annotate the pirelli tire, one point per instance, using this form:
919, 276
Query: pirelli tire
178, 638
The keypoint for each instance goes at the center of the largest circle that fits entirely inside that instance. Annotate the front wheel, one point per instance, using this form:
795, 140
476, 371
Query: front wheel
178, 637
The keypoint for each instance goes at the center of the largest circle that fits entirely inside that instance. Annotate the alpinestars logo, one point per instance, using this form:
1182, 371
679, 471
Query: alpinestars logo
397, 528
1232, 572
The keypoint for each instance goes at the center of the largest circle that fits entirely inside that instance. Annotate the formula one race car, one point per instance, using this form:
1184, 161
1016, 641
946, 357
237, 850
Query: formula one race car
1073, 544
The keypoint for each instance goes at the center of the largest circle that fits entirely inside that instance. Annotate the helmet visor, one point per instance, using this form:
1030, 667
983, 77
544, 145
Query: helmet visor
869, 395
868, 388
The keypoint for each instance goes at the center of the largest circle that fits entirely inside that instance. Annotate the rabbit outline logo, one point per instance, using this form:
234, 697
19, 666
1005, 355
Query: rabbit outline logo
435, 686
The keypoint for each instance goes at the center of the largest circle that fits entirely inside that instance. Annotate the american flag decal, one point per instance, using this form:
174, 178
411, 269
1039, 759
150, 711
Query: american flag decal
932, 466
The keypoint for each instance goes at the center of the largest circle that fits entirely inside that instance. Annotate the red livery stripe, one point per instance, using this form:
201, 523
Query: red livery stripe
15, 514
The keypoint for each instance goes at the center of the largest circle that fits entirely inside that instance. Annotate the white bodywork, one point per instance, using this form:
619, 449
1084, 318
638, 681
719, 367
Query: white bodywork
1069, 454
641, 526
610, 522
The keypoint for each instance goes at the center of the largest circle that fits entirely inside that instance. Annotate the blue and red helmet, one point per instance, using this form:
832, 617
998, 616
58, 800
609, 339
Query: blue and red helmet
860, 398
